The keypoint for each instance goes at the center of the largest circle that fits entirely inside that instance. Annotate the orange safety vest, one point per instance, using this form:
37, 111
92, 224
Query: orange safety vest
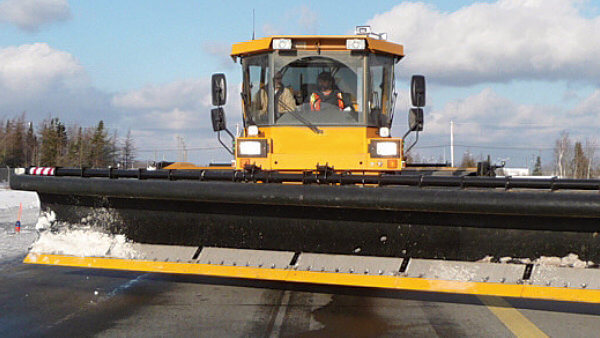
315, 101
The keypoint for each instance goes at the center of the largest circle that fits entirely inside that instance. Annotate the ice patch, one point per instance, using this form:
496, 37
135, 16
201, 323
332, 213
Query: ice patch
84, 243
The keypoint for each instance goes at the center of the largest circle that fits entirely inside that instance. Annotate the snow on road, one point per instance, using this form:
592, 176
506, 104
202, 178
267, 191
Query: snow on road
13, 245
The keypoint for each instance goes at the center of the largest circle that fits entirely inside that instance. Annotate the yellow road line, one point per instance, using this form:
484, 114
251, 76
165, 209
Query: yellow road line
512, 318
340, 279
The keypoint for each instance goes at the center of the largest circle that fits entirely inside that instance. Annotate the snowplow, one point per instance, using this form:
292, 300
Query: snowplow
320, 192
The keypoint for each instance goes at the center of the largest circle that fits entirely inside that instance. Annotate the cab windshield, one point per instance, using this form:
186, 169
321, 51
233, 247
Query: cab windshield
299, 87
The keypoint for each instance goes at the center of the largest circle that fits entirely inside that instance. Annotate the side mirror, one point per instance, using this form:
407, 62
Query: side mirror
218, 119
417, 90
219, 89
415, 119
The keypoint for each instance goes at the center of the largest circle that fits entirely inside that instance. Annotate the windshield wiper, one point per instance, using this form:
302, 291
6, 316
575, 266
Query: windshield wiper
295, 114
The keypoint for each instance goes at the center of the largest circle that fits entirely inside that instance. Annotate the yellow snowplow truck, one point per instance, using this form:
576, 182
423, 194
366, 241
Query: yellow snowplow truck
320, 192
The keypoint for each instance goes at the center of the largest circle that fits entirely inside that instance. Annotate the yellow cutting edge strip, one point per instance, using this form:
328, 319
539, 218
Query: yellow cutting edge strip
327, 278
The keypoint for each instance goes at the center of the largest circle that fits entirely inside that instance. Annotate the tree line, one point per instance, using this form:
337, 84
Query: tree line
571, 159
52, 143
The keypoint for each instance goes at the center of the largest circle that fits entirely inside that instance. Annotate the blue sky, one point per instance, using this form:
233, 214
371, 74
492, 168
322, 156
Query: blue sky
511, 73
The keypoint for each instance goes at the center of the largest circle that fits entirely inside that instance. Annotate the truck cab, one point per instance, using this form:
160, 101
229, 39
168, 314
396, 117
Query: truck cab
314, 101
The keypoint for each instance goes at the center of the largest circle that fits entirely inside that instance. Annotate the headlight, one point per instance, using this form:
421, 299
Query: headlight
252, 148
282, 43
384, 148
387, 148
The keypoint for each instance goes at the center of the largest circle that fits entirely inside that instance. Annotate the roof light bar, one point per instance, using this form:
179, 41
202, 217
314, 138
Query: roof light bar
282, 43
355, 44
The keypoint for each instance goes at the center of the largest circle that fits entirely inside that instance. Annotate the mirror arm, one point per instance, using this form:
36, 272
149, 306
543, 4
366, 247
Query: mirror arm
223, 144
408, 132
412, 145
394, 97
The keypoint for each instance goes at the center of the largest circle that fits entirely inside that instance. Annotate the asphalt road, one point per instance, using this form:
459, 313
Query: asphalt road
56, 301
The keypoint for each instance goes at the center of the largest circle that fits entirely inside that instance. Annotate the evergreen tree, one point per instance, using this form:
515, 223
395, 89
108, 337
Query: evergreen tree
102, 147
537, 169
580, 162
128, 151
30, 146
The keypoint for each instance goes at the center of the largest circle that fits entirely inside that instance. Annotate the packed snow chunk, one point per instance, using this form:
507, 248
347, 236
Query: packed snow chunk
84, 243
571, 260
486, 259
45, 221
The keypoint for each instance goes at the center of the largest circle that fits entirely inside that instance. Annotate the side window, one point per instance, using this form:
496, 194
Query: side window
379, 92
255, 90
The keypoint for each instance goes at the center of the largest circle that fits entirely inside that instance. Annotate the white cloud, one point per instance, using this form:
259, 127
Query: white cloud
42, 81
33, 69
308, 20
220, 51
184, 94
590, 106
487, 123
269, 29
29, 15
496, 42
158, 112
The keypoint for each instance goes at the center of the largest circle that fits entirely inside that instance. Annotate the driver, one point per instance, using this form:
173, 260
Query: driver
327, 94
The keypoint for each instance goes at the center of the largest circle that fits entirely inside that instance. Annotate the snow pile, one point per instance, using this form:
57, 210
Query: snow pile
85, 242
13, 245
12, 198
82, 240
9, 207
45, 221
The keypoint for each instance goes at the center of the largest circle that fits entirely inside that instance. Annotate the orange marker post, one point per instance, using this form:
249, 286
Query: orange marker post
18, 224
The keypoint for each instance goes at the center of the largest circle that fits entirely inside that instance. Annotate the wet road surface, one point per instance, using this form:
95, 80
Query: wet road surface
56, 301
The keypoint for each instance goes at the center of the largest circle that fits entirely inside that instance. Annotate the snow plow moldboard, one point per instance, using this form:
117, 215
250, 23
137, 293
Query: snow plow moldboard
432, 221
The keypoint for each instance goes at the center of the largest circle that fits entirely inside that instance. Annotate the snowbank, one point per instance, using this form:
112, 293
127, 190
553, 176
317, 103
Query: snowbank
85, 242
43, 235
13, 245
